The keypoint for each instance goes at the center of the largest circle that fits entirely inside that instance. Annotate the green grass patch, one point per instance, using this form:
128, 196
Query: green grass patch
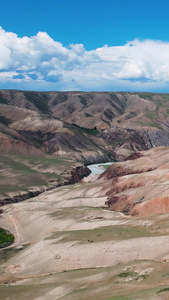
165, 97
8, 188
62, 97
4, 120
20, 173
152, 125
127, 274
105, 166
159, 103
151, 114
101, 234
19, 167
3, 101
6, 238
91, 131
146, 96
163, 290
133, 275
6, 254
118, 298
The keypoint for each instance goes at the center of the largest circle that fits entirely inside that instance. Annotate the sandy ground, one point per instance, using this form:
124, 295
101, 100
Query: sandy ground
68, 247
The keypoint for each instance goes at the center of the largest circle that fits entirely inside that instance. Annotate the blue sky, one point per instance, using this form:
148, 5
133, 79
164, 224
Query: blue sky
85, 45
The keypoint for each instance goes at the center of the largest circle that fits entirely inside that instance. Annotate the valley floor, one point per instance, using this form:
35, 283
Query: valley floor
67, 246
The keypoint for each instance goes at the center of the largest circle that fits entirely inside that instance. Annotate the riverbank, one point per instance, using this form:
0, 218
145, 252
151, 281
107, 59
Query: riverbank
56, 173
71, 176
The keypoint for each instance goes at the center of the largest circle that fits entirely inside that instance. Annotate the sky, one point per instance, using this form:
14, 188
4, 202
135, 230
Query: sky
96, 45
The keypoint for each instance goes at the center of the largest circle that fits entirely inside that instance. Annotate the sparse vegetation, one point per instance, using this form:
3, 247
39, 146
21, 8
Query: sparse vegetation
163, 290
91, 131
105, 166
39, 100
88, 115
127, 274
133, 275
8, 253
152, 125
83, 100
4, 120
108, 114
118, 298
165, 97
148, 96
25, 172
151, 115
3, 101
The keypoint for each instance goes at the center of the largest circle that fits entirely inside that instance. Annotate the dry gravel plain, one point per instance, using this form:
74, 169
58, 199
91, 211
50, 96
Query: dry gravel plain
67, 246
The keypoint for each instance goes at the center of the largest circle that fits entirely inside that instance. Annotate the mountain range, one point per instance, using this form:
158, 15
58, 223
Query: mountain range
84, 126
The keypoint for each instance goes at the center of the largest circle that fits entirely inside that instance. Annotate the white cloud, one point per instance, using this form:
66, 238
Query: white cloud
41, 62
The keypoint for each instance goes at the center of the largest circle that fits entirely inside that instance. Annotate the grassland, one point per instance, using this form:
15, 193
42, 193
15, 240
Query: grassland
20, 173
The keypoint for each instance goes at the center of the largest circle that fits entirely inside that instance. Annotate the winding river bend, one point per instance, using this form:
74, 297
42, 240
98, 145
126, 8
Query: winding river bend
97, 169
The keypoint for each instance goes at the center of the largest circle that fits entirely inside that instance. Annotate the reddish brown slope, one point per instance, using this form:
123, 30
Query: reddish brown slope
140, 186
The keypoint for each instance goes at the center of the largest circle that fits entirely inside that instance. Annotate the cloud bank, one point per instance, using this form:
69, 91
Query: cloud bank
39, 62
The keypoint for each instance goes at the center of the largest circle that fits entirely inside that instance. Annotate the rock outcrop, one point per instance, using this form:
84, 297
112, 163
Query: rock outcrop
78, 174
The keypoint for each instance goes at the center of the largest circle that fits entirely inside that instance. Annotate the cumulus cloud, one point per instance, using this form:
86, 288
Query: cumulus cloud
39, 61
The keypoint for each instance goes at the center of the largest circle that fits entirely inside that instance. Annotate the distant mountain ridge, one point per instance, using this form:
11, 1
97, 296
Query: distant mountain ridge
86, 126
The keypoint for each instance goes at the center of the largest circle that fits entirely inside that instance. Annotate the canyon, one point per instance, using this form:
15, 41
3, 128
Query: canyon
78, 236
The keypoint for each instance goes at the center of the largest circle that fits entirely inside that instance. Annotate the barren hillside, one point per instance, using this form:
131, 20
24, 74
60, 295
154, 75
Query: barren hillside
87, 127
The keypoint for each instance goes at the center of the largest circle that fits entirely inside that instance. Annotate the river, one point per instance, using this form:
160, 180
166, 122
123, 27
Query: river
98, 168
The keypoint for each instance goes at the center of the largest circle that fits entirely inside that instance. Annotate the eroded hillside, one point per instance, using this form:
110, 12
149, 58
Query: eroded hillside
88, 127
140, 185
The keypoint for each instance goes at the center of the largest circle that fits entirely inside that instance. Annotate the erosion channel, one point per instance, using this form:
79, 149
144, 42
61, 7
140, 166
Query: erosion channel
67, 246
